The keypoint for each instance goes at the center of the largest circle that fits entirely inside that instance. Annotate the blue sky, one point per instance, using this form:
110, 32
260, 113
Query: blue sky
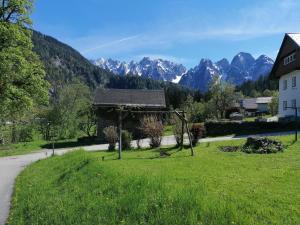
183, 31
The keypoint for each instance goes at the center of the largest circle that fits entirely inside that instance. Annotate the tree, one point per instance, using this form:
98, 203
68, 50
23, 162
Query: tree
22, 83
70, 112
16, 11
273, 105
223, 96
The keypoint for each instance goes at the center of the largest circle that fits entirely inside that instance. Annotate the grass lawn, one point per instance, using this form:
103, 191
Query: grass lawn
21, 148
168, 130
211, 188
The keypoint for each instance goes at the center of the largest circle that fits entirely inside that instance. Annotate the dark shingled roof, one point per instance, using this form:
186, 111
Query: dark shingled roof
130, 98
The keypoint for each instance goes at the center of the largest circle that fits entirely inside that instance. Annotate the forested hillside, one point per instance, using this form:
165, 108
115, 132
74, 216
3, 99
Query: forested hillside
63, 64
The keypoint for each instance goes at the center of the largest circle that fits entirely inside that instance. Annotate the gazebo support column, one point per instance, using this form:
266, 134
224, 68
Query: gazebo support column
120, 134
182, 130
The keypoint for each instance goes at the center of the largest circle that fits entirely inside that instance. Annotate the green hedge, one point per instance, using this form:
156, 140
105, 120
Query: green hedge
243, 128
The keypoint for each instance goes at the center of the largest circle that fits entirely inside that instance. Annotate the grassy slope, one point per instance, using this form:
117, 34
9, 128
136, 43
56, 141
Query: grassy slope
21, 148
211, 188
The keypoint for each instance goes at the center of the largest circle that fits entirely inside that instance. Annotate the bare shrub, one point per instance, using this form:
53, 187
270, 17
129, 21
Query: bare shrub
153, 128
177, 130
198, 132
111, 136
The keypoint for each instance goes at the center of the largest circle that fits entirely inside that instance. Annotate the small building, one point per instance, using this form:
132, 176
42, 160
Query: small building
256, 106
108, 104
286, 69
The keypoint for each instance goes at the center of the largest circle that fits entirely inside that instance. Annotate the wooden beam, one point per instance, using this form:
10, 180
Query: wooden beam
120, 134
182, 130
189, 135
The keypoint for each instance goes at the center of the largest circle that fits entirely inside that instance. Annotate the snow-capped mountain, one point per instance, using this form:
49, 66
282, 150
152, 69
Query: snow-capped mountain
157, 69
243, 67
200, 76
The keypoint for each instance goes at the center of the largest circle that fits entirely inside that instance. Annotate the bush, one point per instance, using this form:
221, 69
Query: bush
111, 136
126, 139
153, 128
262, 146
197, 131
243, 128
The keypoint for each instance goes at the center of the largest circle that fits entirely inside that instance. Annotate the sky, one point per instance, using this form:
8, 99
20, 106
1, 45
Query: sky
183, 31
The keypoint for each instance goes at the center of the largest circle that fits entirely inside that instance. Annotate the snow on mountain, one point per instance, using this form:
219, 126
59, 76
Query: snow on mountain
243, 67
200, 76
157, 69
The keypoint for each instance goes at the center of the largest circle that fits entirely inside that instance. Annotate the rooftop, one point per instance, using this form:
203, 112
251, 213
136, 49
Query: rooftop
295, 37
130, 98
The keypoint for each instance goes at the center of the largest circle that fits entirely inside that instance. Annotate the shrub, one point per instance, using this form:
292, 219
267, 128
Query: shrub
26, 134
153, 128
177, 130
197, 131
111, 136
242, 128
126, 139
262, 146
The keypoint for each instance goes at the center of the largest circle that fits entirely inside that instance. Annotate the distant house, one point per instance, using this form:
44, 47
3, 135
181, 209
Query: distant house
109, 102
256, 106
287, 70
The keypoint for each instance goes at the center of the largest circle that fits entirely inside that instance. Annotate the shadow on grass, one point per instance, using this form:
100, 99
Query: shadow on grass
69, 144
160, 153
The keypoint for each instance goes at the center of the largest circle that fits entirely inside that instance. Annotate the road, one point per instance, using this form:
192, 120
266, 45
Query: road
10, 167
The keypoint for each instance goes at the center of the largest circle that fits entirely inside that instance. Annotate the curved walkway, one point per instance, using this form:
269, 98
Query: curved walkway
10, 167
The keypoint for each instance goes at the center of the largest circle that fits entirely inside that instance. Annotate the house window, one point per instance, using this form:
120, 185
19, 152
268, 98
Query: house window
289, 59
285, 84
284, 105
294, 103
294, 82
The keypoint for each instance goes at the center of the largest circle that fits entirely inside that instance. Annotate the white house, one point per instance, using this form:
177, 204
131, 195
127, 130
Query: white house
287, 69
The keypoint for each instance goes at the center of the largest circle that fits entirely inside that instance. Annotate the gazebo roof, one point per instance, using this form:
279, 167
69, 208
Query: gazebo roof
134, 98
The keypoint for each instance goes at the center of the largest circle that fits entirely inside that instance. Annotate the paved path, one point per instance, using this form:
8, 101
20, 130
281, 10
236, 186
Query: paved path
10, 167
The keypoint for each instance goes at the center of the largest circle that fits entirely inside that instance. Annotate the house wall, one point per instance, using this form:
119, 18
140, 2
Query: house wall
262, 107
289, 94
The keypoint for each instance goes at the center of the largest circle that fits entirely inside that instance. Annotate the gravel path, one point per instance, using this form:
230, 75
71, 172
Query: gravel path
10, 167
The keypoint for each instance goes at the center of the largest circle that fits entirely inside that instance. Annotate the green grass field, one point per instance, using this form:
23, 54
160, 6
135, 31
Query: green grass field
21, 148
211, 188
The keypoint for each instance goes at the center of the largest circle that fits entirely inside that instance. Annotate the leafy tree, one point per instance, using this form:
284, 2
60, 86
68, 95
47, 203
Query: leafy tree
22, 84
67, 112
194, 110
223, 96
16, 11
274, 104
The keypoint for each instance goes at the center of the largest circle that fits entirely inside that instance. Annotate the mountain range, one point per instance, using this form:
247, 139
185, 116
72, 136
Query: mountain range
157, 69
243, 67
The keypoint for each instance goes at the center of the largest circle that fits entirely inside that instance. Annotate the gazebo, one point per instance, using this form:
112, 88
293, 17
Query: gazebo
114, 105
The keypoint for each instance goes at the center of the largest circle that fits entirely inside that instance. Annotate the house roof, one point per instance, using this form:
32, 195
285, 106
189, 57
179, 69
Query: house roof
295, 37
290, 44
252, 103
130, 98
263, 100
249, 103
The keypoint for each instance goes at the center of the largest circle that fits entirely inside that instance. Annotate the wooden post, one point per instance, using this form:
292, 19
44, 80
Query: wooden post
189, 134
296, 124
120, 134
52, 147
182, 130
